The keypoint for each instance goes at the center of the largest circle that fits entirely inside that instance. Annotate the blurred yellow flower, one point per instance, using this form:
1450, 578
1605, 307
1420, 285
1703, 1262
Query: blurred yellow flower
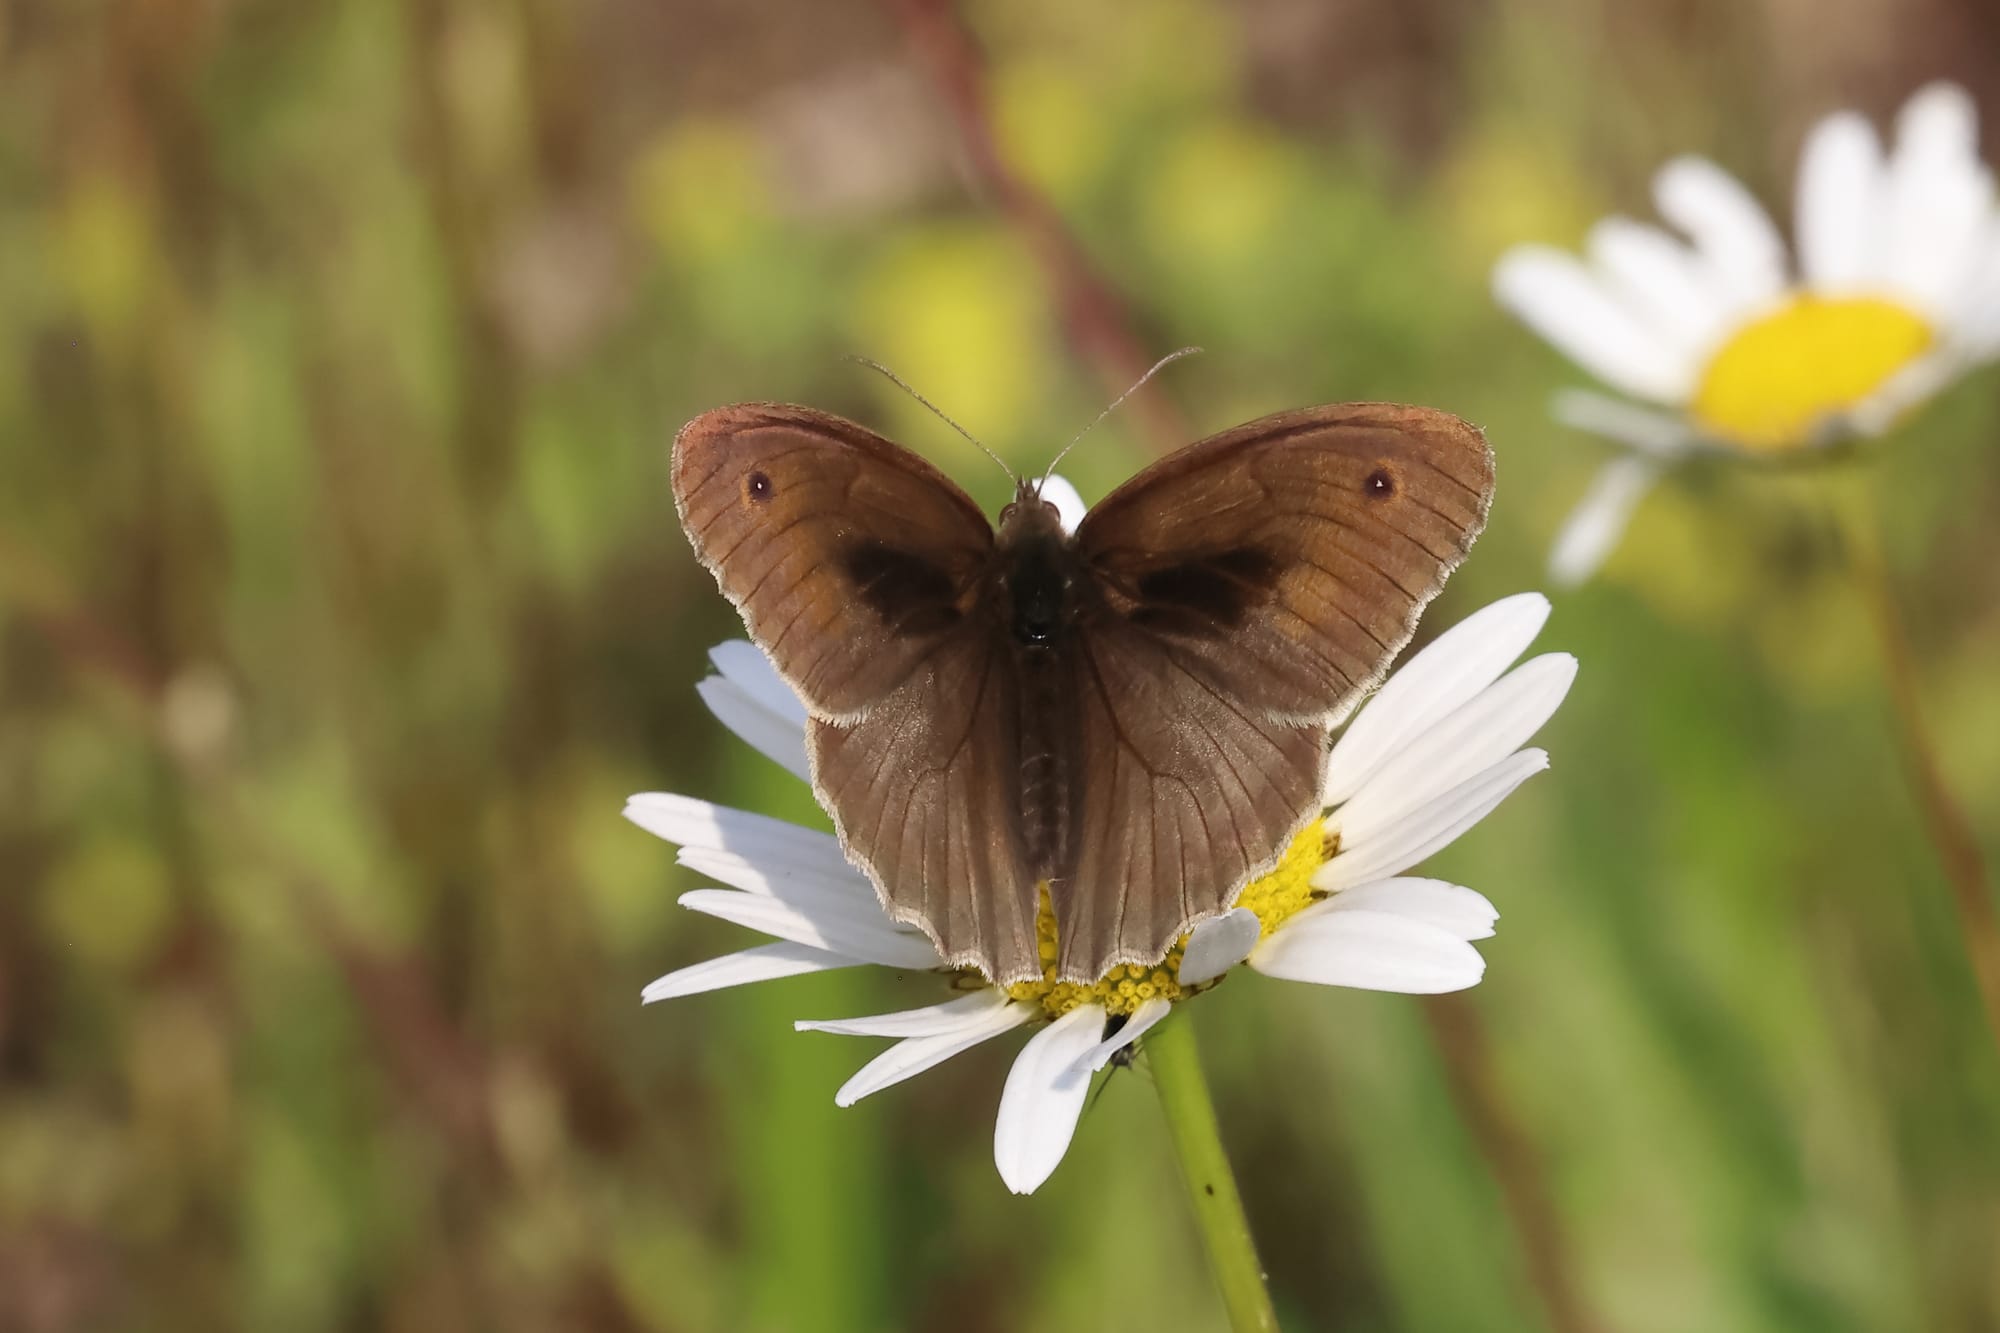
1052, 124
1220, 193
106, 252
109, 903
958, 308
698, 186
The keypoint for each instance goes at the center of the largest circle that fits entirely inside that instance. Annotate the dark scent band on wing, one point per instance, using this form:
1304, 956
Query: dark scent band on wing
1207, 595
911, 594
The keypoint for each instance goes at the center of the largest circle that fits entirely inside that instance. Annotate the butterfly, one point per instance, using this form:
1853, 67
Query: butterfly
1132, 717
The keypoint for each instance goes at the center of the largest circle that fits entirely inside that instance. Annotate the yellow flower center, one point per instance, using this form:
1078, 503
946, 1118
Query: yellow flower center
1274, 897
1779, 378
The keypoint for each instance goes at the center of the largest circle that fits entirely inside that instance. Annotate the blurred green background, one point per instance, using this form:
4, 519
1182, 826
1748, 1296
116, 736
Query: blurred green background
342, 602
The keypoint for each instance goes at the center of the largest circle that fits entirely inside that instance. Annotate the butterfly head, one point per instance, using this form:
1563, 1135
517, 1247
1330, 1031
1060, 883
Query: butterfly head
1028, 514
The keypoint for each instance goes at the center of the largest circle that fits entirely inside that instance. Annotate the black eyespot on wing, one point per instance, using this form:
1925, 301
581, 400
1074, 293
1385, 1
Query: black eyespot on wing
1208, 594
911, 594
757, 487
1381, 484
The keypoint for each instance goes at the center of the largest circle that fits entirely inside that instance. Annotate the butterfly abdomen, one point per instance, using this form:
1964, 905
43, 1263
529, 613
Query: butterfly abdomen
1048, 765
1036, 574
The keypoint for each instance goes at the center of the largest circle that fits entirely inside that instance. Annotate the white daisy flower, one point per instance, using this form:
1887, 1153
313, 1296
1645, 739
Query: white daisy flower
1731, 343
1436, 748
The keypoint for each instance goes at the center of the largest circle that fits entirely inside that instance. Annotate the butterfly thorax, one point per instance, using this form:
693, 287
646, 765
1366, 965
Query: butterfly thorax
1035, 569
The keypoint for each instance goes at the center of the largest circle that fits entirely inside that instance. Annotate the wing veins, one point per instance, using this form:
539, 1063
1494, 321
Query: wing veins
767, 534
1346, 522
724, 463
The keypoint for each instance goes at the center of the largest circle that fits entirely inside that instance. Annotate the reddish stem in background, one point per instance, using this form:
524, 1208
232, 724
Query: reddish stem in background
1510, 1154
1951, 835
1094, 318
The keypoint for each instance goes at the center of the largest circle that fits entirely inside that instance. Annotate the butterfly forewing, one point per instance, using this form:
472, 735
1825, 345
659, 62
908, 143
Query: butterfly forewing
848, 556
1253, 586
1293, 555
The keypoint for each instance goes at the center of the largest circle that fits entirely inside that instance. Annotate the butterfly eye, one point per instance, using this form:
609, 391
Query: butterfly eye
1381, 484
758, 487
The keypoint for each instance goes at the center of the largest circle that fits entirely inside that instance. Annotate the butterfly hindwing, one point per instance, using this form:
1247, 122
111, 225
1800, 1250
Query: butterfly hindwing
1186, 793
921, 791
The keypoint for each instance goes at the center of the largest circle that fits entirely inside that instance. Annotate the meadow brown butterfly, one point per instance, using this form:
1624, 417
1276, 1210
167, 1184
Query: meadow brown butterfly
1136, 715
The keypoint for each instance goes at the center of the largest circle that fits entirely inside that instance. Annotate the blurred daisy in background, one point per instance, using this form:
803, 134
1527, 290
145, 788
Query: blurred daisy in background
1731, 344
1435, 749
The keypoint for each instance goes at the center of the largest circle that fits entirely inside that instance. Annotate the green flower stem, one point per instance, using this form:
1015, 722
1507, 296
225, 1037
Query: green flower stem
1951, 835
1175, 1064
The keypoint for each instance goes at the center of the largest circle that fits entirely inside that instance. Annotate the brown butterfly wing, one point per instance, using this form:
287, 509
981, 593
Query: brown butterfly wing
849, 557
858, 567
920, 789
1252, 587
1186, 794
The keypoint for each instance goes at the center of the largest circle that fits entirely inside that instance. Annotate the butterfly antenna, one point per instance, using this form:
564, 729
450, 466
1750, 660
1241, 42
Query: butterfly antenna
898, 381
1097, 1094
1158, 366
1128, 1058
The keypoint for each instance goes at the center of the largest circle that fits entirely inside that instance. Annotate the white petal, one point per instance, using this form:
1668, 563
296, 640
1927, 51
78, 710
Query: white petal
1447, 906
746, 666
859, 932
1840, 204
1976, 331
1058, 492
1598, 521
1662, 280
964, 1014
767, 875
1142, 1020
1475, 736
1661, 434
768, 733
1939, 199
1556, 296
1429, 829
688, 822
1458, 664
1043, 1098
1905, 389
785, 861
1371, 951
766, 962
1740, 249
914, 1055
1218, 944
